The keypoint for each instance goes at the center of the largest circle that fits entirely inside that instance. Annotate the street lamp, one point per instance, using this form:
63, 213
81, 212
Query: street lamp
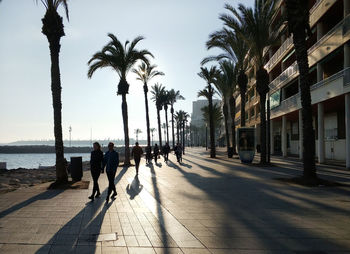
70, 136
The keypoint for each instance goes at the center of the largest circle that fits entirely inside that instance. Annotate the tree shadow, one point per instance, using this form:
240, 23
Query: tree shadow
263, 210
157, 196
82, 232
49, 194
134, 188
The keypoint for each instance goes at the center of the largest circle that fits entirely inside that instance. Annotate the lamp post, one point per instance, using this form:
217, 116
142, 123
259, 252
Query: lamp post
70, 136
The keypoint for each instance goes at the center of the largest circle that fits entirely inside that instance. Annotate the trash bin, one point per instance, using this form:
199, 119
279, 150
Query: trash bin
76, 168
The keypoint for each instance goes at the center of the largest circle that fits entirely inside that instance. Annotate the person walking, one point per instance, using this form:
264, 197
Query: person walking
155, 153
137, 153
178, 152
148, 154
166, 151
111, 162
96, 160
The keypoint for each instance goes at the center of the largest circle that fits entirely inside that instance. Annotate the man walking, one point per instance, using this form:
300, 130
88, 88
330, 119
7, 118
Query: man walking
137, 153
166, 151
111, 162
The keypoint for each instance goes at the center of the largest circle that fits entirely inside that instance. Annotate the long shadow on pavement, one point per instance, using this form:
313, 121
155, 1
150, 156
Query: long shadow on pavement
80, 234
252, 209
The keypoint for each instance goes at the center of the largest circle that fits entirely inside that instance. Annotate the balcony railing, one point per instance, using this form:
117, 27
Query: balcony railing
285, 75
293, 69
343, 73
276, 57
287, 43
292, 102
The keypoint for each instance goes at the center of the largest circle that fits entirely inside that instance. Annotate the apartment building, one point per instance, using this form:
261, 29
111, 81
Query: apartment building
329, 61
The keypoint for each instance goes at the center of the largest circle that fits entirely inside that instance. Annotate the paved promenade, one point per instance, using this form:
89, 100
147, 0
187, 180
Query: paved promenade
202, 206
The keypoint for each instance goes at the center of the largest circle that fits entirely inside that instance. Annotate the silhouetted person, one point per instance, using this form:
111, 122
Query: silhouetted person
155, 153
111, 162
148, 154
137, 153
96, 161
166, 151
178, 152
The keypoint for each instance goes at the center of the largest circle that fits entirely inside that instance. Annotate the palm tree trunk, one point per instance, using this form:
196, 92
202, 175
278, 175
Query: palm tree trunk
126, 130
309, 134
172, 125
262, 86
225, 110
242, 83
145, 90
211, 127
178, 132
166, 124
159, 130
232, 102
61, 172
183, 137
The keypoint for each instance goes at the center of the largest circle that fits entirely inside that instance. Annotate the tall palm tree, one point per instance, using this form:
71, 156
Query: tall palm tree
185, 115
209, 76
152, 132
121, 58
225, 84
235, 49
217, 114
166, 103
174, 96
53, 29
145, 73
137, 132
253, 26
177, 119
158, 91
298, 25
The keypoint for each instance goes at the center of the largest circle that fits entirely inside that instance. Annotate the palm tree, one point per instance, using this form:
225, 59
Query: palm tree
177, 119
137, 132
158, 92
253, 26
298, 25
145, 73
235, 49
53, 29
174, 96
121, 58
225, 84
217, 114
152, 132
166, 102
185, 115
209, 76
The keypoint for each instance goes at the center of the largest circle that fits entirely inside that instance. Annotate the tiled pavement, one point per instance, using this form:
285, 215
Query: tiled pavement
202, 206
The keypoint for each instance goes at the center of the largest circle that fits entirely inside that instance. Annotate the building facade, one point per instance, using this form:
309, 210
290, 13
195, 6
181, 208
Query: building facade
197, 113
329, 62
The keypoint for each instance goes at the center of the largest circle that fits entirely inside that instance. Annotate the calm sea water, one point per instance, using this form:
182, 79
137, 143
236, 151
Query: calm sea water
36, 160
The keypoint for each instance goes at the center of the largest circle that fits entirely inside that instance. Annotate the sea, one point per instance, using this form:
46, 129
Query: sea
36, 160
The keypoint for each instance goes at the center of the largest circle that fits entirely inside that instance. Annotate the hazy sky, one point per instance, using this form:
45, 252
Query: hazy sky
175, 31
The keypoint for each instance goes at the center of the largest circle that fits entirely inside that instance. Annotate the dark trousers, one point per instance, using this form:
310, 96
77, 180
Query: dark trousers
166, 156
111, 185
155, 158
95, 175
137, 164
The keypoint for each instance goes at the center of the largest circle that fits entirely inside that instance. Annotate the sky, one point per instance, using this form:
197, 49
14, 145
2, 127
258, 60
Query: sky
175, 32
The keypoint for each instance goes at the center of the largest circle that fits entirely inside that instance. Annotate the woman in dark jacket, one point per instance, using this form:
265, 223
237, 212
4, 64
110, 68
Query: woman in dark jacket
96, 169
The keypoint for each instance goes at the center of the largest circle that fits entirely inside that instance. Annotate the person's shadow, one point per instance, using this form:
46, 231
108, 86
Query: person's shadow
134, 188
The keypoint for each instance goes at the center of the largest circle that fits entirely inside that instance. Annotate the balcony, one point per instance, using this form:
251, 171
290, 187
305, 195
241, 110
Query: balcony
331, 87
316, 12
323, 47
